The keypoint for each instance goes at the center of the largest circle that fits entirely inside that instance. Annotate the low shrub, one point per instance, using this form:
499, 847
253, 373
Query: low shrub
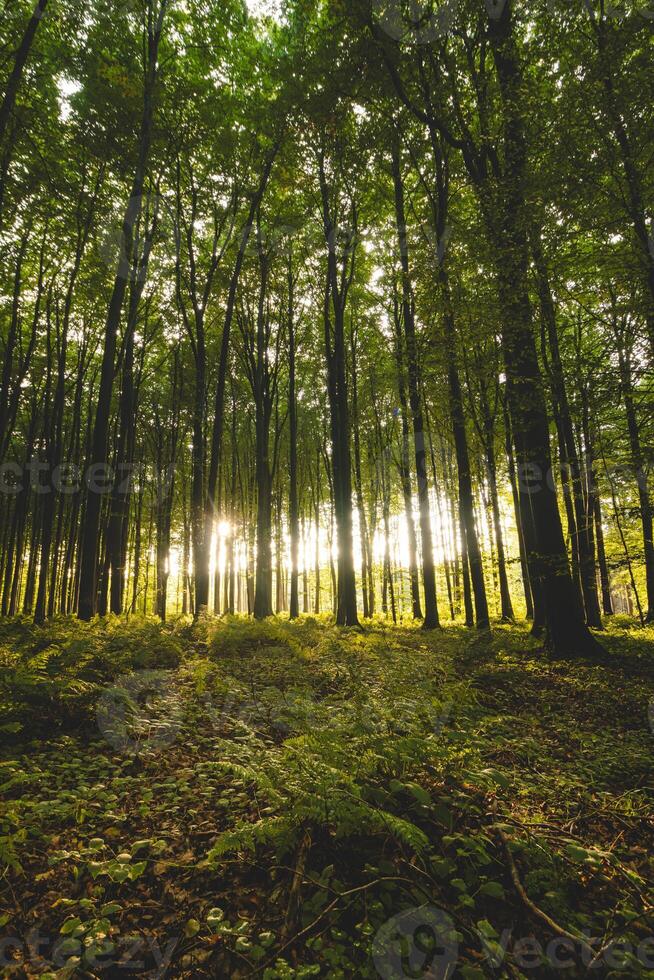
52, 676
235, 636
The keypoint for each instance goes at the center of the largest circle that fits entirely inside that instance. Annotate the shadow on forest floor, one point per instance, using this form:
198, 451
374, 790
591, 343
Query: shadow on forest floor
289, 800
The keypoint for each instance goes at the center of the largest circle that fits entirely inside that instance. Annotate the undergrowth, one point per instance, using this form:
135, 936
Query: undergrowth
51, 676
317, 786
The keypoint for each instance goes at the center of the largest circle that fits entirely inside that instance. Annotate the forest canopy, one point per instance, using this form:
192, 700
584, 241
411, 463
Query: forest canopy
328, 306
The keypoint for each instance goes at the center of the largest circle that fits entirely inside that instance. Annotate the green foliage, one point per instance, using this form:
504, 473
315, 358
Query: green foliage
380, 762
237, 637
354, 733
54, 675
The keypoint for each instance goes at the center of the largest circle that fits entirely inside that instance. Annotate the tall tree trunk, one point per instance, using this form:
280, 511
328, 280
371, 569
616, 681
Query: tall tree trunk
90, 532
517, 510
405, 469
358, 483
607, 601
20, 58
463, 465
506, 606
431, 620
640, 471
316, 503
566, 632
202, 582
580, 525
634, 199
263, 401
334, 332
294, 516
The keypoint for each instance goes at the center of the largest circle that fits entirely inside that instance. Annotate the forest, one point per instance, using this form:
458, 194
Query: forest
326, 488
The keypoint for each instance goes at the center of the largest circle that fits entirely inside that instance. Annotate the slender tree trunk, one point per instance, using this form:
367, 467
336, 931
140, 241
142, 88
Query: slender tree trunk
30, 578
20, 58
137, 548
405, 470
634, 198
358, 483
202, 588
524, 563
334, 333
640, 471
90, 532
506, 606
294, 517
463, 467
607, 602
316, 605
431, 620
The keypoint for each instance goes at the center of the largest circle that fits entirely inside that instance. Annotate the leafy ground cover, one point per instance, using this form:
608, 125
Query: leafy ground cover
288, 800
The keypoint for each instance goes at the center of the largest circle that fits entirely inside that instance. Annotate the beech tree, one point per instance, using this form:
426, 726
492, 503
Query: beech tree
327, 311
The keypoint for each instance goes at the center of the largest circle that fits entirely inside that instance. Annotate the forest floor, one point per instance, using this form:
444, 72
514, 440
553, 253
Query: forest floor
232, 799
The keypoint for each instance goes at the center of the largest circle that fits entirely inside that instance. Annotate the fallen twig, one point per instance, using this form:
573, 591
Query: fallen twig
533, 908
293, 906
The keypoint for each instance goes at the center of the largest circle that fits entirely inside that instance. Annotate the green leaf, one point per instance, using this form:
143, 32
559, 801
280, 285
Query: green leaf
70, 925
110, 908
419, 793
214, 917
486, 929
493, 889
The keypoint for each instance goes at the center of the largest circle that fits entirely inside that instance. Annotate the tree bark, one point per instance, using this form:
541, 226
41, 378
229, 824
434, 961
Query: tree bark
293, 507
334, 333
20, 58
566, 632
431, 620
98, 458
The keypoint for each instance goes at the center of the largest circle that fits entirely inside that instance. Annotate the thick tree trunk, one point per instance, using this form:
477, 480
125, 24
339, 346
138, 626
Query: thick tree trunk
581, 528
566, 632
